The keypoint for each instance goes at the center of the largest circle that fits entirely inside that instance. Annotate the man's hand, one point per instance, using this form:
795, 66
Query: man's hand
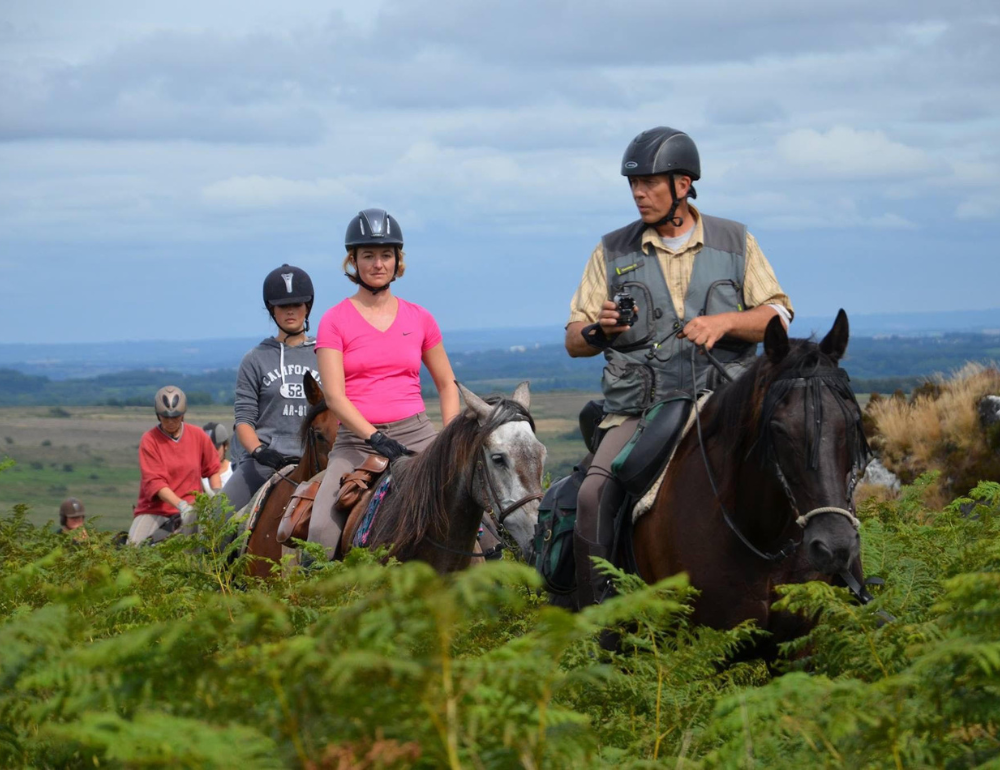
608, 319
707, 329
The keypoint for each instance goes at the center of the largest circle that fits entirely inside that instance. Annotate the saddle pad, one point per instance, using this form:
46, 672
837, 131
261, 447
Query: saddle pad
646, 502
252, 509
365, 527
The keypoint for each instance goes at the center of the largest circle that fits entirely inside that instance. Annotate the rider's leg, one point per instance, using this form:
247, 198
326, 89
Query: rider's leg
414, 432
592, 537
143, 527
247, 478
326, 524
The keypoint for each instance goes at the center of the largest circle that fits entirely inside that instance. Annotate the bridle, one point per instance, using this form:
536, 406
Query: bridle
312, 439
494, 505
814, 382
491, 502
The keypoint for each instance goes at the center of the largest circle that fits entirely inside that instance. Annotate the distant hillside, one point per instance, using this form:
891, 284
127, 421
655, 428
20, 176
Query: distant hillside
875, 364
61, 362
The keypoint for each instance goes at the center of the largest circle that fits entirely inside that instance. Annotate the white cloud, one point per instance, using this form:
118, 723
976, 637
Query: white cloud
847, 153
256, 192
986, 207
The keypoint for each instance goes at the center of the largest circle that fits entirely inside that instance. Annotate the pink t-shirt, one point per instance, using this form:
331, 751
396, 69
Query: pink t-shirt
381, 369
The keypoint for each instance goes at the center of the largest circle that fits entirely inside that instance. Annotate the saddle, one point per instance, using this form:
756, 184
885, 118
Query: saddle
356, 489
294, 524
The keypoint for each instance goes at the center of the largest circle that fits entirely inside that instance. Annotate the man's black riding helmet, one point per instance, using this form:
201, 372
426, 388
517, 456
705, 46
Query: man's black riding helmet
661, 150
373, 227
287, 285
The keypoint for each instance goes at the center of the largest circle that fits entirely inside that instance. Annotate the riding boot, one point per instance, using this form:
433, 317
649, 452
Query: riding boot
592, 587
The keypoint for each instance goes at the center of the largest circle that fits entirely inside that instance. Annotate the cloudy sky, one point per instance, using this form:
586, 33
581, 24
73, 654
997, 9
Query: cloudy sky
158, 159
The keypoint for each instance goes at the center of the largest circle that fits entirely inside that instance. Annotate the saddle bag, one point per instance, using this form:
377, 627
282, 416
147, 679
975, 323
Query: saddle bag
553, 542
354, 484
294, 522
641, 460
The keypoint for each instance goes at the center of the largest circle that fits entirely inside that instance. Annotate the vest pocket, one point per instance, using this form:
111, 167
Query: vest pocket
627, 387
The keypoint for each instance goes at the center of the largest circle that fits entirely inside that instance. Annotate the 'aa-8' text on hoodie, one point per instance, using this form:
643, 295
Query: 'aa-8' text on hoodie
270, 396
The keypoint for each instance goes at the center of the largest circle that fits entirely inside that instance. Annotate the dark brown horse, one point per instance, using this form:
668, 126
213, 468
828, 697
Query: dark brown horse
485, 459
783, 446
319, 431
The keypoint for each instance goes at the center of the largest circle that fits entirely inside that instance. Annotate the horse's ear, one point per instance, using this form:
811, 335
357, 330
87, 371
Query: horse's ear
776, 345
522, 395
479, 407
314, 393
834, 344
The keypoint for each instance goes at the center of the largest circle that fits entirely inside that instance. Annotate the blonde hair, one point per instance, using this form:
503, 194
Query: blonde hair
351, 270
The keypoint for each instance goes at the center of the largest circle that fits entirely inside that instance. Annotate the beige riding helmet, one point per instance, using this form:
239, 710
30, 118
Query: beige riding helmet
170, 401
71, 508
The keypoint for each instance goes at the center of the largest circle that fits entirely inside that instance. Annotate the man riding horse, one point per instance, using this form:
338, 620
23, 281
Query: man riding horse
685, 279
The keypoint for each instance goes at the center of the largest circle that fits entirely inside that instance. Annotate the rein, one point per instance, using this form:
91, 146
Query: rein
814, 382
314, 446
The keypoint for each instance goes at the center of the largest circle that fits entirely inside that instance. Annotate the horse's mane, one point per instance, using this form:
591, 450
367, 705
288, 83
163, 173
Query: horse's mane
734, 417
315, 410
419, 503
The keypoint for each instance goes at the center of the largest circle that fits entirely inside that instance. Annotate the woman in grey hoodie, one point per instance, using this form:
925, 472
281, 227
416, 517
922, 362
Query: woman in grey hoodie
270, 398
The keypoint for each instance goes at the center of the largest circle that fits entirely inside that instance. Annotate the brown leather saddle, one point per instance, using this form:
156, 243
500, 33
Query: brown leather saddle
355, 492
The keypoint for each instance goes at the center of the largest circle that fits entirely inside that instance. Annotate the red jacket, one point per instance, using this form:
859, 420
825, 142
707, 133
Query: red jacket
179, 465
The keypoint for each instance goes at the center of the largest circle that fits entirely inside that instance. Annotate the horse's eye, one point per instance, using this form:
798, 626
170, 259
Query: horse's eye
497, 459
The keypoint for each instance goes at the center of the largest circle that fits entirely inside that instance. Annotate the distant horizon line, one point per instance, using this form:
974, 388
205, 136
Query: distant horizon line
493, 329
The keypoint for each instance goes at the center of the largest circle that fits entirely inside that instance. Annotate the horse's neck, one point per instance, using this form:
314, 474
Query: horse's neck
750, 493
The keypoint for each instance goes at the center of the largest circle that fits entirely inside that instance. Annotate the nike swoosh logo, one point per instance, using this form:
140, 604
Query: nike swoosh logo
405, 333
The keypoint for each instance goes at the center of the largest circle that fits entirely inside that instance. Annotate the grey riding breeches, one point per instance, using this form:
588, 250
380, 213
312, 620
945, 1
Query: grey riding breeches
326, 524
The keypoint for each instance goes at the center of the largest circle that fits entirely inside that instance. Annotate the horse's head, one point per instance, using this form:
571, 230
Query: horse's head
512, 460
811, 440
320, 425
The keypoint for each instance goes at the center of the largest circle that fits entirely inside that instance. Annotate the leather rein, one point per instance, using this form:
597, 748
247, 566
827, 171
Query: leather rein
802, 519
313, 441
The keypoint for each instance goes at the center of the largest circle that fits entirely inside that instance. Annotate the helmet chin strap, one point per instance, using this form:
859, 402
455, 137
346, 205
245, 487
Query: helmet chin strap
361, 282
670, 219
289, 332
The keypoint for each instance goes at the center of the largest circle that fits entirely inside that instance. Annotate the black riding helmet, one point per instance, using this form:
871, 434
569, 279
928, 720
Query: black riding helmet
373, 227
288, 285
663, 150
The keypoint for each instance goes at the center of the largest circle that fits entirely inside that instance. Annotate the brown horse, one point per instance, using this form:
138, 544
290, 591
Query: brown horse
319, 431
783, 446
486, 459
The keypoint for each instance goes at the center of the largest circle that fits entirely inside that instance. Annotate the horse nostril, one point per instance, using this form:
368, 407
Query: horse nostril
819, 551
843, 556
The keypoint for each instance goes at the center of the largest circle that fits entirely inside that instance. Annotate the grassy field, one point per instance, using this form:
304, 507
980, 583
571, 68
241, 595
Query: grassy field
91, 452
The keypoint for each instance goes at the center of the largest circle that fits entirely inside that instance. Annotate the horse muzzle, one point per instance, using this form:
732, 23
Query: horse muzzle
831, 543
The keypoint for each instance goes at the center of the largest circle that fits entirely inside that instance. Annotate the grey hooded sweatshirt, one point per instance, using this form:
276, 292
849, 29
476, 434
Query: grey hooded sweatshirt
270, 396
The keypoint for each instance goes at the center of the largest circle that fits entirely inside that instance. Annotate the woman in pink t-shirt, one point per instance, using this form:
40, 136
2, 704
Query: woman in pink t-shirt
370, 348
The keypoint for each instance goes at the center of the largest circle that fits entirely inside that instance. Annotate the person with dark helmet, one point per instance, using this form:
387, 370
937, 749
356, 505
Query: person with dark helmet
173, 458
370, 348
71, 518
696, 281
270, 401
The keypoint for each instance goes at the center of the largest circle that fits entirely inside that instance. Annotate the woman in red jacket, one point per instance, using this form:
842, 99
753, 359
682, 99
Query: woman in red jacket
173, 458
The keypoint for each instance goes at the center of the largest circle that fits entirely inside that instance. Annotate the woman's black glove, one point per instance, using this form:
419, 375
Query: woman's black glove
269, 457
387, 447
